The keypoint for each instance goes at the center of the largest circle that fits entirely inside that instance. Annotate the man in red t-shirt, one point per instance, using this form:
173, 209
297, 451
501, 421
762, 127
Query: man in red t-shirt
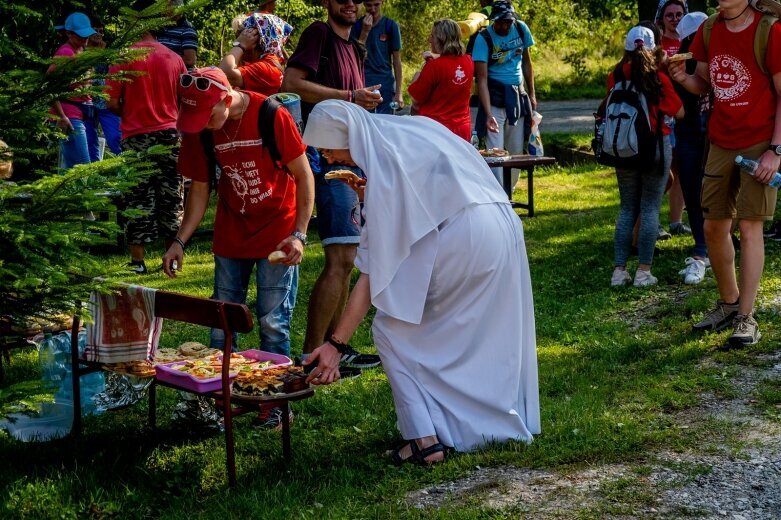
262, 206
148, 106
328, 64
746, 120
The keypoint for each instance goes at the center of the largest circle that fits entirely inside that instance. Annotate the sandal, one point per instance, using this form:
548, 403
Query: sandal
418, 456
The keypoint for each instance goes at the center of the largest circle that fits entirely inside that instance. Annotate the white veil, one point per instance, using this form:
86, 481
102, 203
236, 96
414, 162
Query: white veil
418, 173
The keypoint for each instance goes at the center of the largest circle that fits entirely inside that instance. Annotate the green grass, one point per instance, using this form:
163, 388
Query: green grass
616, 366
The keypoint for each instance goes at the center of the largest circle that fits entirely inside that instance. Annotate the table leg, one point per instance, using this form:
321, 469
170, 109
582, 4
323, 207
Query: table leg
507, 174
530, 184
286, 431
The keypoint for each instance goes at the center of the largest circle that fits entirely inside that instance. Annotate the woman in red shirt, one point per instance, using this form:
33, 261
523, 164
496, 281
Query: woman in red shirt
641, 190
442, 88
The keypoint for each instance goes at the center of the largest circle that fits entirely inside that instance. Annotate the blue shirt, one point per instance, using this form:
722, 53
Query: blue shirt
384, 39
179, 37
507, 51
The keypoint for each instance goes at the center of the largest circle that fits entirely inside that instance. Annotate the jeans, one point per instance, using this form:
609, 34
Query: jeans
109, 123
277, 286
641, 195
335, 202
690, 151
74, 150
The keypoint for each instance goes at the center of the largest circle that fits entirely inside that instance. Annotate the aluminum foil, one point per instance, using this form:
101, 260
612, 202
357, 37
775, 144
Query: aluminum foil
121, 390
195, 411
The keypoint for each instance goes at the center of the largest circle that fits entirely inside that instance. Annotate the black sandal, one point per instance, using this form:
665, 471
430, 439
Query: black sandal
418, 456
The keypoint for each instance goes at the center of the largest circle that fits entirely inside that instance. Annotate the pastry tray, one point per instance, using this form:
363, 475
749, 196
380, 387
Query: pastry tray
167, 373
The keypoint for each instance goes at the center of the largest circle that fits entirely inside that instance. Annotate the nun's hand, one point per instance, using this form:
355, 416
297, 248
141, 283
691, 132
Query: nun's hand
327, 370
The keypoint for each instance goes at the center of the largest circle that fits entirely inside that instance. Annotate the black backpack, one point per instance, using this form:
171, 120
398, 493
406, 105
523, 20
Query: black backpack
622, 130
470, 45
268, 112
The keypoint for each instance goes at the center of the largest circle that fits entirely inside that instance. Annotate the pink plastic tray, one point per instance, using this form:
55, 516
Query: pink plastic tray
167, 374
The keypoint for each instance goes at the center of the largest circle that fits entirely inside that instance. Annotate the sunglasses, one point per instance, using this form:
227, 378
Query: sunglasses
201, 83
673, 16
342, 2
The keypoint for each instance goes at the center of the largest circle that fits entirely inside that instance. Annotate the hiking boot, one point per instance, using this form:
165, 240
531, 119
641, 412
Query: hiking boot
662, 234
773, 230
644, 278
271, 418
138, 267
354, 359
719, 318
746, 332
694, 272
679, 228
620, 277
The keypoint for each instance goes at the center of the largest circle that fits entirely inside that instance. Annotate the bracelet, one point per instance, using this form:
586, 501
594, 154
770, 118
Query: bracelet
341, 347
179, 241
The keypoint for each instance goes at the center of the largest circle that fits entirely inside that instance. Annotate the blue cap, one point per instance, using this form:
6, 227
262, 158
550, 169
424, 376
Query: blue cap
78, 23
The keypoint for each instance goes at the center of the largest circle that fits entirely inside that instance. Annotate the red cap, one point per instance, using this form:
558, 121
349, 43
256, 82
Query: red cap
195, 105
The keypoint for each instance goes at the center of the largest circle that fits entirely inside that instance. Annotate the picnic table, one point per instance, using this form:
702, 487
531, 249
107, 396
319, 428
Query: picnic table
523, 162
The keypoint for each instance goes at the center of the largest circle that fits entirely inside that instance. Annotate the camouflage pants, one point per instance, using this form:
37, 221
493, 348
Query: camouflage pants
159, 196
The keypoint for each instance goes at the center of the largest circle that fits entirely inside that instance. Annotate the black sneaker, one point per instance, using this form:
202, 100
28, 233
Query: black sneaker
354, 359
348, 372
138, 267
777, 236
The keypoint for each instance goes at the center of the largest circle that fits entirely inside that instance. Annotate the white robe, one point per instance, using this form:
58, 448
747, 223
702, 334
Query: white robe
468, 372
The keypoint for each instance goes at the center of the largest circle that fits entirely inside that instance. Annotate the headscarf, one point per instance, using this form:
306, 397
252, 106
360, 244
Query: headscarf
273, 31
663, 5
418, 174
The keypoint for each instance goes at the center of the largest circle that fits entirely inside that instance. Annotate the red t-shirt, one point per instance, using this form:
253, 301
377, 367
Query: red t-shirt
256, 209
149, 101
263, 75
744, 105
71, 111
670, 45
442, 92
669, 102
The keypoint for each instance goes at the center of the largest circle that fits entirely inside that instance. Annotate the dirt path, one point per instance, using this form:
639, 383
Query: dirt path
567, 116
731, 477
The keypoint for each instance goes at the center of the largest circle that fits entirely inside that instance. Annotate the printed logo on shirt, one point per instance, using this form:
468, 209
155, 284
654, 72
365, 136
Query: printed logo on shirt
245, 182
730, 78
502, 52
383, 37
460, 76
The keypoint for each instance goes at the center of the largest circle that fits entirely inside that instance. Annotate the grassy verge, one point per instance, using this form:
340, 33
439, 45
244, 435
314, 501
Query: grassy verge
616, 366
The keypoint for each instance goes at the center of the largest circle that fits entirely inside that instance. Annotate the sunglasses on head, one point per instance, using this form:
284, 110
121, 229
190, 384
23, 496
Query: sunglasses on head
201, 83
342, 2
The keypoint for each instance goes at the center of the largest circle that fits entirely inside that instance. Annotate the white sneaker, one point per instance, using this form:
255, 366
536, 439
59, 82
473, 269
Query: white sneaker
644, 278
620, 277
694, 272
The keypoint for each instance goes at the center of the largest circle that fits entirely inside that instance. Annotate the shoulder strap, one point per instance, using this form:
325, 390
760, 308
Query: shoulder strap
519, 28
207, 141
707, 28
761, 39
268, 111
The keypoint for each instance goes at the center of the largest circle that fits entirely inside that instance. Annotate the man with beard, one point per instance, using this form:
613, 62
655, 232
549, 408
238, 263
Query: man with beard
328, 64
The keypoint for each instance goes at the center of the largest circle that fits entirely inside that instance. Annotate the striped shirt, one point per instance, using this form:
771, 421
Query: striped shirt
179, 37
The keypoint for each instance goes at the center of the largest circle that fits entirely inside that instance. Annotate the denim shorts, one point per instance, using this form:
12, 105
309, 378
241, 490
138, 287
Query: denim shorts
336, 205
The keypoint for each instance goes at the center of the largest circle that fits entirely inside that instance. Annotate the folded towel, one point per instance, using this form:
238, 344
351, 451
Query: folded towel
125, 327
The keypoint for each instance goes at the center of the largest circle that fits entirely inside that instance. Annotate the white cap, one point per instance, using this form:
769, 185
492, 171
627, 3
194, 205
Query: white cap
639, 36
690, 23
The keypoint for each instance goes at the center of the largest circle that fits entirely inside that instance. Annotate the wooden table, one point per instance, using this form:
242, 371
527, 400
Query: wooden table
524, 162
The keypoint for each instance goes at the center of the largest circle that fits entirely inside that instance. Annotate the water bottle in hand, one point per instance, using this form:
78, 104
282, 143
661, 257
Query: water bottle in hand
750, 167
475, 140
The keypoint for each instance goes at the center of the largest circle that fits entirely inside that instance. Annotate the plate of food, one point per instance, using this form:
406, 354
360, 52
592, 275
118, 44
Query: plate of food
140, 368
271, 383
494, 152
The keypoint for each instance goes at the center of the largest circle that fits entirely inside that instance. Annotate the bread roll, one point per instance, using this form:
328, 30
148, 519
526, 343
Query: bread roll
342, 174
681, 56
277, 256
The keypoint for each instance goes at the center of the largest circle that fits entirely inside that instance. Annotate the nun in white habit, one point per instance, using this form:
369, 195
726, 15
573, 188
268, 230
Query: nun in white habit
443, 260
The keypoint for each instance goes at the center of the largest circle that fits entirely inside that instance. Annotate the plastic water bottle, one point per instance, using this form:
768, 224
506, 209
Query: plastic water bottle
394, 105
46, 359
475, 140
750, 167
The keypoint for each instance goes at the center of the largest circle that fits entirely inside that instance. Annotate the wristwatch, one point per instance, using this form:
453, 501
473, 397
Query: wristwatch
299, 235
776, 148
238, 44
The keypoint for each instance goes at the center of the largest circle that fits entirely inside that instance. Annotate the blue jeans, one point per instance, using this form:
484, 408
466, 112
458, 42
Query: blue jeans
641, 194
109, 123
277, 287
74, 150
336, 202
690, 151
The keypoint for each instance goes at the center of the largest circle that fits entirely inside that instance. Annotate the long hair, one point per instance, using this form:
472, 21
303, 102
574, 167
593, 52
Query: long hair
644, 73
448, 37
